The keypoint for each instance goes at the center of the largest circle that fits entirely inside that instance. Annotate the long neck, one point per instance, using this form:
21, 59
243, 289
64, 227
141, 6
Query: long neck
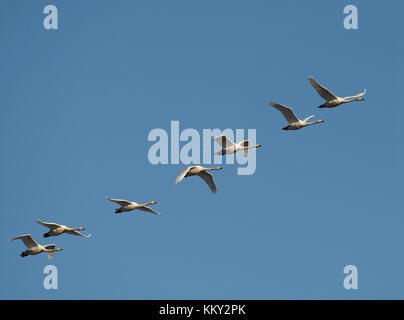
146, 204
216, 168
350, 100
313, 122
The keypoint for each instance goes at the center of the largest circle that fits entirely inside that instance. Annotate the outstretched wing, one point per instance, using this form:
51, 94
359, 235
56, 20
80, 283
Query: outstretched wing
121, 202
182, 174
28, 241
245, 144
48, 224
224, 141
286, 111
356, 96
76, 233
147, 209
208, 178
323, 92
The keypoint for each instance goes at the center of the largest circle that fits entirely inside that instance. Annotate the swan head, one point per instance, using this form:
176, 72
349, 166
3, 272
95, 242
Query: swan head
218, 168
81, 228
360, 99
319, 121
258, 146
153, 202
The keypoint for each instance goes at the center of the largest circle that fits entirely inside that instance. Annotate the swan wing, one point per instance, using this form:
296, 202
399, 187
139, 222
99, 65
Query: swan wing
147, 209
28, 241
48, 224
224, 141
356, 96
286, 111
245, 144
121, 202
323, 92
182, 174
76, 233
208, 178
305, 120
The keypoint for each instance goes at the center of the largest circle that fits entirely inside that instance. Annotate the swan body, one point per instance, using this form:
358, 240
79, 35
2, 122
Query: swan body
126, 206
332, 100
229, 146
57, 229
35, 248
200, 172
293, 122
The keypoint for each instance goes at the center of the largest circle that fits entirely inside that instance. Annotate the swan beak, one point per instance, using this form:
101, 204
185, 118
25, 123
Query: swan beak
81, 228
258, 146
321, 121
59, 249
361, 99
153, 202
219, 168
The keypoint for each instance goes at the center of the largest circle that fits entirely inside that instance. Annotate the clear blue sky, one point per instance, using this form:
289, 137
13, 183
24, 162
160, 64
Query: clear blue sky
78, 103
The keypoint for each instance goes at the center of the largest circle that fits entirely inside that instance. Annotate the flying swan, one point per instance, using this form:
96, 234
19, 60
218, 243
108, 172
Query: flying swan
293, 122
129, 206
333, 101
35, 248
229, 146
201, 172
58, 229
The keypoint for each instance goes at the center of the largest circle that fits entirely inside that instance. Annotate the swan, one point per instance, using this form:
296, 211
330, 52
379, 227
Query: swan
333, 101
35, 248
201, 172
294, 122
229, 146
58, 229
129, 206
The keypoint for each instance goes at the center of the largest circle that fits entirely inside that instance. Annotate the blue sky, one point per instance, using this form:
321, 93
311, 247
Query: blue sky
77, 105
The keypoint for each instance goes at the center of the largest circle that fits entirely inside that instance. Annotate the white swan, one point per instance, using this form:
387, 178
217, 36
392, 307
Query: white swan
35, 248
332, 100
201, 172
58, 229
293, 122
129, 206
229, 146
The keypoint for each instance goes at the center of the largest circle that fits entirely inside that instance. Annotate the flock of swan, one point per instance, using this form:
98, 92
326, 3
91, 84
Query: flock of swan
228, 147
